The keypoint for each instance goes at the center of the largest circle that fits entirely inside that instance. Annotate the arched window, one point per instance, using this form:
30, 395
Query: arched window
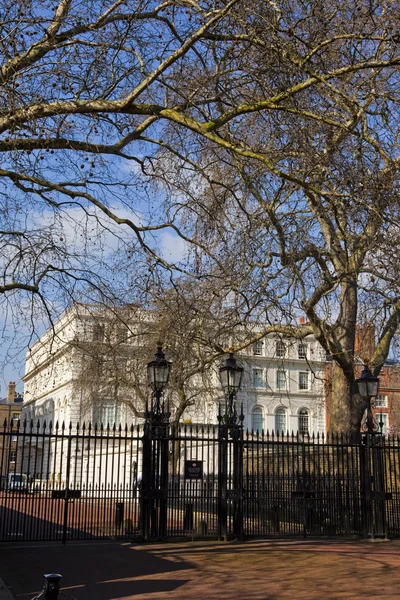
304, 421
280, 421
257, 420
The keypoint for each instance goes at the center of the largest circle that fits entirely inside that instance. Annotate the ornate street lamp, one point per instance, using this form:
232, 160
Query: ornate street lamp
231, 377
158, 371
368, 388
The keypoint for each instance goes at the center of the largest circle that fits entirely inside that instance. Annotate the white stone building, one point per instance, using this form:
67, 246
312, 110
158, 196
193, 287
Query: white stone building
58, 362
282, 389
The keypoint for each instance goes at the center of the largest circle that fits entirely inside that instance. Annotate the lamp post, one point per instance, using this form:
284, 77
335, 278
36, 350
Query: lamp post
371, 463
231, 377
153, 499
230, 426
368, 388
158, 371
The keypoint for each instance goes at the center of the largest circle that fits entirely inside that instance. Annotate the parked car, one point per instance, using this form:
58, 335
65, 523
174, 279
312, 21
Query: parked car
17, 482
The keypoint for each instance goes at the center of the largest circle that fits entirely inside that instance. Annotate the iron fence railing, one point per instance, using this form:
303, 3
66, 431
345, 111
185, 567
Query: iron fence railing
92, 482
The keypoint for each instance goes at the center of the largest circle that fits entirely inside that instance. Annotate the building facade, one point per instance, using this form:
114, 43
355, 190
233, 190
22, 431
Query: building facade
282, 388
66, 370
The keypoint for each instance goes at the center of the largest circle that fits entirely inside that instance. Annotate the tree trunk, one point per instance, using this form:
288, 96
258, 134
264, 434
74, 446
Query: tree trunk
346, 407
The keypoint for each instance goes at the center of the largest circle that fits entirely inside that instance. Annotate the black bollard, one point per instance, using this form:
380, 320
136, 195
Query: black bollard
52, 585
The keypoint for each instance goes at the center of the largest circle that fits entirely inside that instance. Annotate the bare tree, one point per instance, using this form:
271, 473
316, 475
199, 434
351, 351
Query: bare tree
268, 131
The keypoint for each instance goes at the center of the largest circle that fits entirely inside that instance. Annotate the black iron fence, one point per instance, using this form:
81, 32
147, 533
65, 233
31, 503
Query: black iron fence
160, 481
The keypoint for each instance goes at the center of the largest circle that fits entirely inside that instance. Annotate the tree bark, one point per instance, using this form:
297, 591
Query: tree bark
346, 407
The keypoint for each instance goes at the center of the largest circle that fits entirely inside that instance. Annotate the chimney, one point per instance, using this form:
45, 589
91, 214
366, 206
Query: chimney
11, 391
302, 320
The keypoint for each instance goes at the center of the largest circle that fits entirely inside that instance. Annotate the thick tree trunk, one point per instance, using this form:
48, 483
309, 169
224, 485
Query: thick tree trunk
346, 407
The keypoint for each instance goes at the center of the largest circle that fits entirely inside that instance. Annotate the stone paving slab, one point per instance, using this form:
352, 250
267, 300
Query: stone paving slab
254, 570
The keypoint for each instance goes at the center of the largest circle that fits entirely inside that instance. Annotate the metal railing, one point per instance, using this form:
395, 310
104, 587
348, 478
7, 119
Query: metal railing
92, 482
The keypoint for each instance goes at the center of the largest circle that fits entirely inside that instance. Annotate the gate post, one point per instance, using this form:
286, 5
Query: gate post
153, 493
230, 426
67, 482
153, 496
373, 494
222, 477
236, 433
366, 487
379, 494
144, 500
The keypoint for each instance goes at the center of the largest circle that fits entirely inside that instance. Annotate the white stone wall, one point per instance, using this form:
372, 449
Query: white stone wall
268, 397
53, 364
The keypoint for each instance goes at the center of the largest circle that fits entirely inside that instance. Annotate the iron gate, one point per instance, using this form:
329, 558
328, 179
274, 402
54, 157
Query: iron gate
161, 481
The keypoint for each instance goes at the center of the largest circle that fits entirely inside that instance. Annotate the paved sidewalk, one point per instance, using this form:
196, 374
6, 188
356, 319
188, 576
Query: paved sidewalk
257, 570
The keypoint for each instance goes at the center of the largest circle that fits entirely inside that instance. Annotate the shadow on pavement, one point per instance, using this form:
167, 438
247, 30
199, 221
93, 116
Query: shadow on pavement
95, 571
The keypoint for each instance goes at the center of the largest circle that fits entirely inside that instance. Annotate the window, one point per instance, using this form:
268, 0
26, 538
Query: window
280, 349
258, 378
108, 413
258, 348
13, 456
303, 380
98, 332
122, 334
280, 421
382, 422
16, 416
381, 401
301, 351
303, 421
280, 379
257, 420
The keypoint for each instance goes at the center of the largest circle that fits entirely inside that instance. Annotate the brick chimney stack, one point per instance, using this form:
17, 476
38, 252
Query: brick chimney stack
11, 391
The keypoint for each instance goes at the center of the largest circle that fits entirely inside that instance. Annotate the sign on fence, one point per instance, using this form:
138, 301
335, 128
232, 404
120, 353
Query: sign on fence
193, 469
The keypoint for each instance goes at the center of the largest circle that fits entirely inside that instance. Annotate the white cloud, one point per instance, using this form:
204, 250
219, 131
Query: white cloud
172, 247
